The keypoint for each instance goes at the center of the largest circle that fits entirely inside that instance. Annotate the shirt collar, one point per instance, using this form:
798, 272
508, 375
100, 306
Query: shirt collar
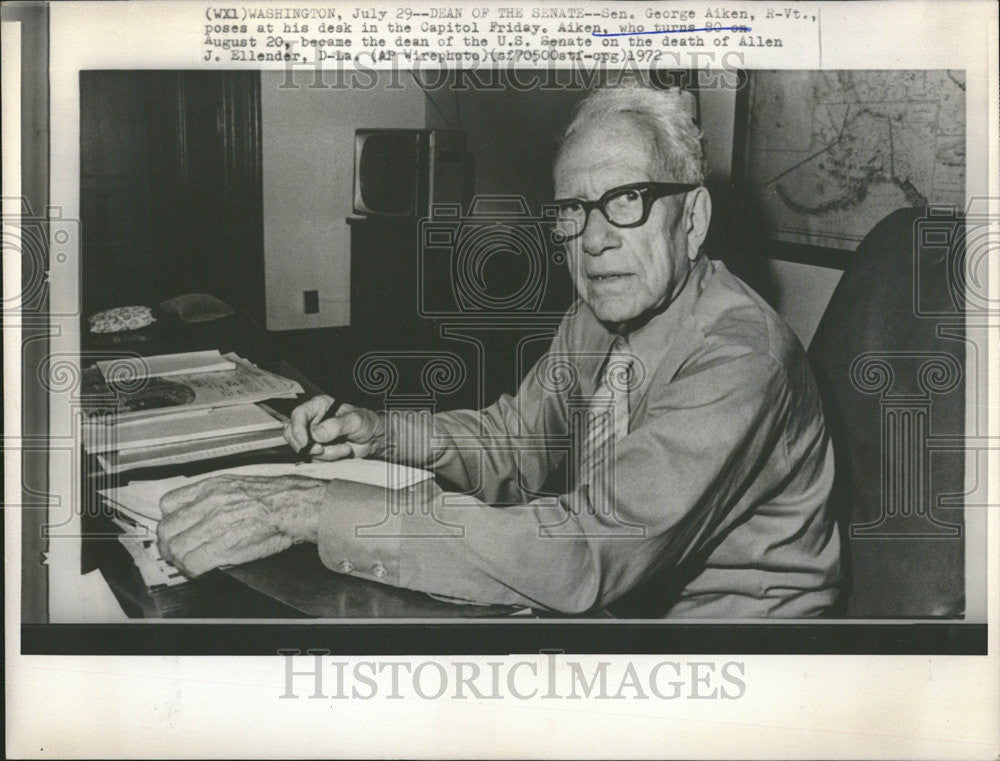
651, 341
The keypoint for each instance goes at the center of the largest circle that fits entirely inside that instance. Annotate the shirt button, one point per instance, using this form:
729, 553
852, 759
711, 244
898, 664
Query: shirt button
346, 566
379, 570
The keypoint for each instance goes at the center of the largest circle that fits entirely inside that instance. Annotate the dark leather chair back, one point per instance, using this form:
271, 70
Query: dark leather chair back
889, 355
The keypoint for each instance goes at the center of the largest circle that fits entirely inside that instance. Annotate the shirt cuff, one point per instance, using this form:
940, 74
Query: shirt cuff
359, 530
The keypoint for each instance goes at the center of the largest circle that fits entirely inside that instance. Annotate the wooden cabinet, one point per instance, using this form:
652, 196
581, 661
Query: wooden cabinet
171, 198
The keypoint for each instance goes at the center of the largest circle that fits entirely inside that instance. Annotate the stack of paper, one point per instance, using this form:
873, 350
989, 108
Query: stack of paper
101, 436
163, 365
139, 538
180, 408
137, 504
155, 571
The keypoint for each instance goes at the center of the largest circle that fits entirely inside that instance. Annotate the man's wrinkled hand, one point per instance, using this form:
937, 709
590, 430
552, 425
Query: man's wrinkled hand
227, 520
352, 432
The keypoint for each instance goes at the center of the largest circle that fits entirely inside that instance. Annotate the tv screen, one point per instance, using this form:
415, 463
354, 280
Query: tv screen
387, 168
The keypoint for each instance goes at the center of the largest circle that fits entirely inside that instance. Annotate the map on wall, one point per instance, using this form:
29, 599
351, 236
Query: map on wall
831, 153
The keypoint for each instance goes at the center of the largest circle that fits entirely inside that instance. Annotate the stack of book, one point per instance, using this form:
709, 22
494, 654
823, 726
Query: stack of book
179, 408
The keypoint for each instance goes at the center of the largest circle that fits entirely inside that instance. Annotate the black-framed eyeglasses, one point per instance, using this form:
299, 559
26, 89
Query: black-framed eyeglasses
624, 206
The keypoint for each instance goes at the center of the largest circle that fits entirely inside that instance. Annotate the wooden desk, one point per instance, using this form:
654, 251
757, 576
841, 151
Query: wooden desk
291, 584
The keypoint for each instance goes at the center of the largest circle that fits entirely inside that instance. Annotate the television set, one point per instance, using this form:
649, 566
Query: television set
404, 172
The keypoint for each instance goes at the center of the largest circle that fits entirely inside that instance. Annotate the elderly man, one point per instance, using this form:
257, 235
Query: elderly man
701, 468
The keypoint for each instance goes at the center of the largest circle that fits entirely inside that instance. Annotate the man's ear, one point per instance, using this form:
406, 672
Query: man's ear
697, 215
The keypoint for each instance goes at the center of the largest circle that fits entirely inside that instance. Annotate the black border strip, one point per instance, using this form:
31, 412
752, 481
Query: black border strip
502, 639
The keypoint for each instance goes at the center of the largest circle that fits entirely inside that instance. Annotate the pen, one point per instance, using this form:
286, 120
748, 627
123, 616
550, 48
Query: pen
310, 441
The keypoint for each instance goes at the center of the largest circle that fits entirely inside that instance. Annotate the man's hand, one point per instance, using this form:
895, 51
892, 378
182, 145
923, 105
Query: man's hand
352, 432
234, 519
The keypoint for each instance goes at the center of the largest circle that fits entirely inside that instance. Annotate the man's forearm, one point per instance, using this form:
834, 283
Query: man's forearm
405, 437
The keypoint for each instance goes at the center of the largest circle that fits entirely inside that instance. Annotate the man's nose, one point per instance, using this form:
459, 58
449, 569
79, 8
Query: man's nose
598, 234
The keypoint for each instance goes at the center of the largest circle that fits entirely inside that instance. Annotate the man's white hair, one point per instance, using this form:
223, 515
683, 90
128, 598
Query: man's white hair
667, 114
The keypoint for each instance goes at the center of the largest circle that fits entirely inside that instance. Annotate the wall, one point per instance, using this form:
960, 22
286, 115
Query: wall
308, 147
308, 156
512, 136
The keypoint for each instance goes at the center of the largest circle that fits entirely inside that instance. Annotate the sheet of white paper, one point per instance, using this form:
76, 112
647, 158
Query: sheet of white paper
127, 518
143, 497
